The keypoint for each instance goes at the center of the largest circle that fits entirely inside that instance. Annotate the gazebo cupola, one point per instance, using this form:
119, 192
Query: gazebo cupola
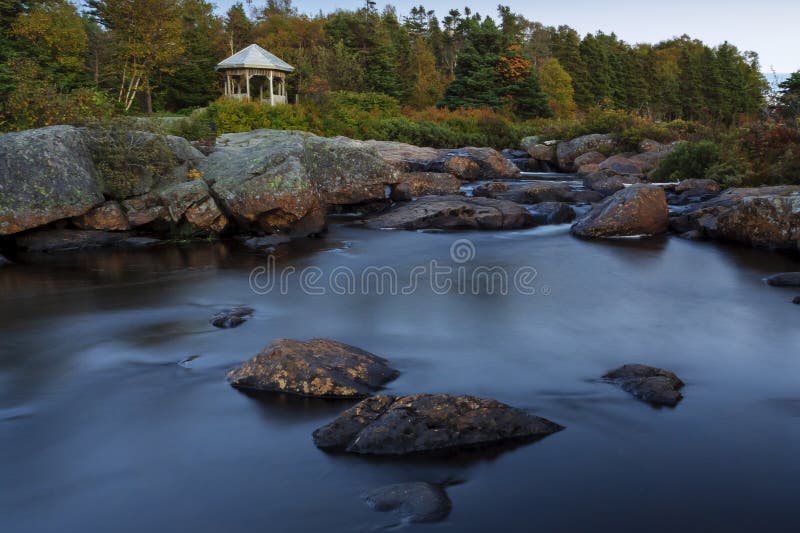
254, 73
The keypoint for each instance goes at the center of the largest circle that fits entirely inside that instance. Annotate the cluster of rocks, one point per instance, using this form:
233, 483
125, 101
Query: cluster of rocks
392, 425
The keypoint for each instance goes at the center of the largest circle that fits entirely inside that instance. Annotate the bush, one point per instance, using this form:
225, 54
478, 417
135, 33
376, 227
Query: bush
689, 161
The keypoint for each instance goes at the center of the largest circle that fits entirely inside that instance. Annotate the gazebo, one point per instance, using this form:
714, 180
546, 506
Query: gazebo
252, 71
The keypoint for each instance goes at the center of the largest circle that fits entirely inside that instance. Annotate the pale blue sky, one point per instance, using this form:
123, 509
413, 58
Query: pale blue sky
769, 27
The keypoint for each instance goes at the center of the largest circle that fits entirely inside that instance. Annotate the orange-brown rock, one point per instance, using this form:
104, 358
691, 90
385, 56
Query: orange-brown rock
108, 217
317, 367
636, 210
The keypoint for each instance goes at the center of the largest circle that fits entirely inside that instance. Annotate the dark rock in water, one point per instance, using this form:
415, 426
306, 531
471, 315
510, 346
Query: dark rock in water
231, 318
65, 240
764, 217
784, 279
318, 367
266, 242
399, 425
553, 213
527, 164
637, 210
692, 235
653, 385
796, 300
454, 212
414, 502
4, 261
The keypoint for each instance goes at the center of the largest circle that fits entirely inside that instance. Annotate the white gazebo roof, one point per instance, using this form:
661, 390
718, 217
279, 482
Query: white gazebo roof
255, 57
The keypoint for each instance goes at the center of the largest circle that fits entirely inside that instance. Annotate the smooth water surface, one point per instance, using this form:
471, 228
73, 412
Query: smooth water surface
104, 425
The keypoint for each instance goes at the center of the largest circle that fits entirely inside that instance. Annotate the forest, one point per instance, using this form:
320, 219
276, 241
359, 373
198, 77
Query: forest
460, 78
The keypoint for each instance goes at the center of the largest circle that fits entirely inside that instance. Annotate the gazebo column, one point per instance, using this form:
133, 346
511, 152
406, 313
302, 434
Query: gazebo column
271, 89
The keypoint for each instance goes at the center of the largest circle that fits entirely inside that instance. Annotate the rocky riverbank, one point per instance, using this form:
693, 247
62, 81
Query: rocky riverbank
59, 191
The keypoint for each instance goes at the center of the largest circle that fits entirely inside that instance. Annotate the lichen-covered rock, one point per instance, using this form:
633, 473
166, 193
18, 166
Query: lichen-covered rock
46, 174
283, 181
462, 168
399, 425
567, 151
540, 151
637, 210
454, 212
653, 385
765, 217
426, 183
414, 502
108, 216
784, 279
317, 367
191, 202
490, 190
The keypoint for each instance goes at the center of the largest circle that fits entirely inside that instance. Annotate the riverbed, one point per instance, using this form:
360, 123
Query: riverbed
115, 414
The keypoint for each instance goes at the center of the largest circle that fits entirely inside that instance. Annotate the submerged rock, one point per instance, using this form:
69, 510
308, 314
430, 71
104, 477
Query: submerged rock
317, 367
796, 300
784, 279
653, 385
399, 425
66, 240
47, 174
637, 210
454, 212
266, 242
4, 261
414, 502
231, 318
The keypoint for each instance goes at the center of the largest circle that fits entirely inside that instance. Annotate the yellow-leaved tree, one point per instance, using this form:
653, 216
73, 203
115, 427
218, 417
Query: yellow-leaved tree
557, 85
146, 36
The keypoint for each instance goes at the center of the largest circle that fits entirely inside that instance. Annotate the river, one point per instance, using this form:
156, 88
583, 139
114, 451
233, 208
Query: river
108, 424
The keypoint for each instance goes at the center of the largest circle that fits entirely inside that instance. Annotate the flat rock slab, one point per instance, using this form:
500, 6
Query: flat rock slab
414, 502
231, 318
653, 385
400, 425
318, 367
66, 240
454, 212
784, 279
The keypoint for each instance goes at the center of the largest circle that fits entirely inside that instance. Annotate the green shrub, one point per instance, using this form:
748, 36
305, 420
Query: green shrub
688, 161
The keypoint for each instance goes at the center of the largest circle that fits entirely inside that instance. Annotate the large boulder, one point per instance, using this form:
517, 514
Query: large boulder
567, 151
454, 212
637, 210
540, 151
317, 367
589, 158
766, 217
108, 216
425, 183
651, 153
399, 425
191, 203
619, 164
652, 385
283, 181
467, 163
46, 174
